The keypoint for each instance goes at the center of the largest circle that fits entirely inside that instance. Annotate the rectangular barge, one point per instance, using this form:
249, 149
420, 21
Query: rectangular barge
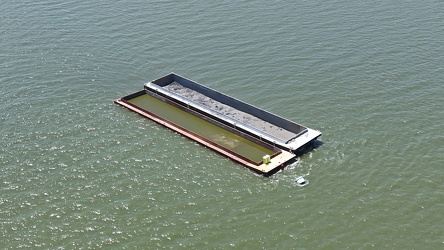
248, 135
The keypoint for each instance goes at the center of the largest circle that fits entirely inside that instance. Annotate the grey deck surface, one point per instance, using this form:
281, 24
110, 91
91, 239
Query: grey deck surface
229, 111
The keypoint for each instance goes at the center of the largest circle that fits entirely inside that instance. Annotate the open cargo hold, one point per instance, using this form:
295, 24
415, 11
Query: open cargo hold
253, 137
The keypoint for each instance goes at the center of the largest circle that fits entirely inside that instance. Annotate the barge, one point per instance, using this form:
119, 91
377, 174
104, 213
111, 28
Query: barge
255, 138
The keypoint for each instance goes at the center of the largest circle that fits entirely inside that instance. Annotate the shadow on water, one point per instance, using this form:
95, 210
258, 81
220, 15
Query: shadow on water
312, 145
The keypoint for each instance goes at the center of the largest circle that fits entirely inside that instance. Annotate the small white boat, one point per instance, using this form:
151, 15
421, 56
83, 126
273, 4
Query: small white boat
301, 181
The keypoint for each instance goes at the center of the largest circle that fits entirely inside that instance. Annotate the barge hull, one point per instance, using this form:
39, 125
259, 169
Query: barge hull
278, 159
247, 118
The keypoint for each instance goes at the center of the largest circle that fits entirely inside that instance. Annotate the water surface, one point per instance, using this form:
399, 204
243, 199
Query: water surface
78, 171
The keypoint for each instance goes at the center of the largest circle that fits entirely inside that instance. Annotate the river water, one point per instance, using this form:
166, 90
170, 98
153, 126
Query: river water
79, 172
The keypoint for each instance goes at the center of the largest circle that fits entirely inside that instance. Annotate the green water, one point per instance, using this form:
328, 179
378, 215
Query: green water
79, 172
211, 132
